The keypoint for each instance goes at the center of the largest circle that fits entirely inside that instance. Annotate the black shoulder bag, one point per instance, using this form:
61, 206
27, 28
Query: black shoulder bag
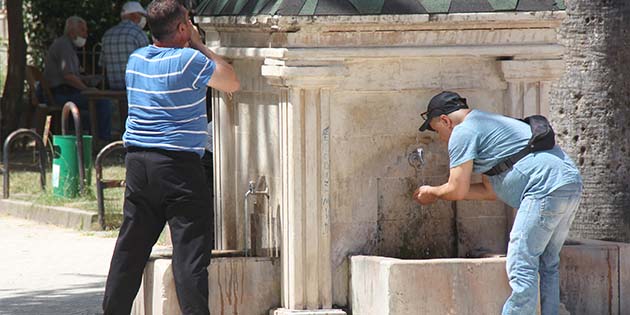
543, 138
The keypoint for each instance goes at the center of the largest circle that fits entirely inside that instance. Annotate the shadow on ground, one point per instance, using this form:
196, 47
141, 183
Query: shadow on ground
83, 299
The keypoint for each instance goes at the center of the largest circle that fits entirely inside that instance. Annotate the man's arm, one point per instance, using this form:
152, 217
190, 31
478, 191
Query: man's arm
75, 81
67, 59
458, 187
481, 191
223, 78
458, 184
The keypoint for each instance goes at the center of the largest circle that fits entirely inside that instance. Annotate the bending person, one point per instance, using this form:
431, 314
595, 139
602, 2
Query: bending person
545, 186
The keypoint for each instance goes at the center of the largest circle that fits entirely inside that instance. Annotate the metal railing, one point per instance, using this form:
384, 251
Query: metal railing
7, 150
102, 184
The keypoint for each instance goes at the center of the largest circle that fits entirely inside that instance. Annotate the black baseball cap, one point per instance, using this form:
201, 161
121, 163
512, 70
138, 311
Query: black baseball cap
442, 104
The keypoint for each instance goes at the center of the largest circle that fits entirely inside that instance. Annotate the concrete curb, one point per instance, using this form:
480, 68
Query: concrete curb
60, 216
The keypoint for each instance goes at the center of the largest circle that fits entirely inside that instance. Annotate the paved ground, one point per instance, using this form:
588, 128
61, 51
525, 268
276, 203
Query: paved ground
46, 270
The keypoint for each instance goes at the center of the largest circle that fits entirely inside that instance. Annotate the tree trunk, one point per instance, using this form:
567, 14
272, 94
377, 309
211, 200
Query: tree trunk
14, 85
590, 107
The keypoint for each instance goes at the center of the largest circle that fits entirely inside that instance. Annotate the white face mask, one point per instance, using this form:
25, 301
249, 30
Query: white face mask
143, 22
79, 41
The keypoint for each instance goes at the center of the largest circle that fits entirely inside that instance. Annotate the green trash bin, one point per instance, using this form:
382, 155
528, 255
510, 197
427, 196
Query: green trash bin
65, 169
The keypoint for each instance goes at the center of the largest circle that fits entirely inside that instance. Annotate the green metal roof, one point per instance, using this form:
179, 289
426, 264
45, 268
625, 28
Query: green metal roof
359, 7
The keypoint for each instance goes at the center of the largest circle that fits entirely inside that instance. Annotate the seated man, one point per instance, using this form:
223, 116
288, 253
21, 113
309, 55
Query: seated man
63, 75
121, 40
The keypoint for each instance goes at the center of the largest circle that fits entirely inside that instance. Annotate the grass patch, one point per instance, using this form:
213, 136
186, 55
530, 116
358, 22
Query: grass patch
25, 185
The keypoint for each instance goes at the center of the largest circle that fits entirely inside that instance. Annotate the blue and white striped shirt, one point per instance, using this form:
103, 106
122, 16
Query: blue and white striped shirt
166, 92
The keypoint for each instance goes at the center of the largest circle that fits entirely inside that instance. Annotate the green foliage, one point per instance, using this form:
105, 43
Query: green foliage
44, 21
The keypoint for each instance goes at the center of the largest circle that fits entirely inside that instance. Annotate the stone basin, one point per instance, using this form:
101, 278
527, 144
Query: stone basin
595, 279
237, 285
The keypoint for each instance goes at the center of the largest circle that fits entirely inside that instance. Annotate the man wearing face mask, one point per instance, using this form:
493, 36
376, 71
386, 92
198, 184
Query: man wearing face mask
62, 72
121, 40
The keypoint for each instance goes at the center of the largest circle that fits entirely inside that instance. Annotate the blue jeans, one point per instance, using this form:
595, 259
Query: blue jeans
540, 228
103, 111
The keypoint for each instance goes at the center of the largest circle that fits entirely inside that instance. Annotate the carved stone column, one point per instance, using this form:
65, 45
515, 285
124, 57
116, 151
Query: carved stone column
305, 218
529, 83
223, 139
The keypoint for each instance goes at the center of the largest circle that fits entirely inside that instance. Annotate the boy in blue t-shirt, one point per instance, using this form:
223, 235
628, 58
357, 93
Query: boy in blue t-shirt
545, 187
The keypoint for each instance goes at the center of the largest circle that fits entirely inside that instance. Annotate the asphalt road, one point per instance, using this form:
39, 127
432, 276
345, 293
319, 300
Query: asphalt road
50, 270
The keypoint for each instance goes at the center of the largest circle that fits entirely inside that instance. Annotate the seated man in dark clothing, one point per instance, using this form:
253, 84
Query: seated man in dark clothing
63, 75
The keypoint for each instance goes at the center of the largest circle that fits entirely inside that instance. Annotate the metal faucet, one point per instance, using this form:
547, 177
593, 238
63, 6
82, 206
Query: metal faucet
251, 190
416, 158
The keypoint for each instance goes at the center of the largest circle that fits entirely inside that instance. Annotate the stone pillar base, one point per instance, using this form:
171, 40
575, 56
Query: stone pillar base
284, 311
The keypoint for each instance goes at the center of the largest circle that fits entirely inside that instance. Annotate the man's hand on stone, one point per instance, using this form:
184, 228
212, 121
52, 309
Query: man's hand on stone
424, 196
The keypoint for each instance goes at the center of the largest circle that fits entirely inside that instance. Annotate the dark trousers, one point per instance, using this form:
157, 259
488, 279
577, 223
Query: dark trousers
208, 166
163, 186
64, 93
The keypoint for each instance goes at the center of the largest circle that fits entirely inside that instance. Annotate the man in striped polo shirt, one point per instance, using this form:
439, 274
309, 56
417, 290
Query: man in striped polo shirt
165, 138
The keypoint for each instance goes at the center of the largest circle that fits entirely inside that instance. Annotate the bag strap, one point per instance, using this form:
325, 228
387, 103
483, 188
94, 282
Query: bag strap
507, 163
535, 121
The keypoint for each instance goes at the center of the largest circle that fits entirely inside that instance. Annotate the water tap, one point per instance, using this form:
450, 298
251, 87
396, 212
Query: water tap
416, 158
251, 186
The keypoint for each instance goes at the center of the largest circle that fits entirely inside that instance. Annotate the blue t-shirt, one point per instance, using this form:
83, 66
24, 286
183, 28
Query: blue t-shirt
166, 93
488, 139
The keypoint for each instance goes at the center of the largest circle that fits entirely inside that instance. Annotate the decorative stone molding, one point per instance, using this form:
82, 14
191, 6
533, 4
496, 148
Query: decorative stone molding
270, 24
529, 83
547, 51
500, 29
532, 70
305, 74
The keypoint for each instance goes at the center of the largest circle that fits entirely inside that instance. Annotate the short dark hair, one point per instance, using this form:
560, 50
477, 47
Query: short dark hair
163, 17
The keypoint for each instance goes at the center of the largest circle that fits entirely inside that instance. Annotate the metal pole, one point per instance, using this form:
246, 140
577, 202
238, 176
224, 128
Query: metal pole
252, 191
7, 150
70, 107
100, 184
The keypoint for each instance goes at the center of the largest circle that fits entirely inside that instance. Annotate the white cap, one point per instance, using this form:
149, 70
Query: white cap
132, 7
